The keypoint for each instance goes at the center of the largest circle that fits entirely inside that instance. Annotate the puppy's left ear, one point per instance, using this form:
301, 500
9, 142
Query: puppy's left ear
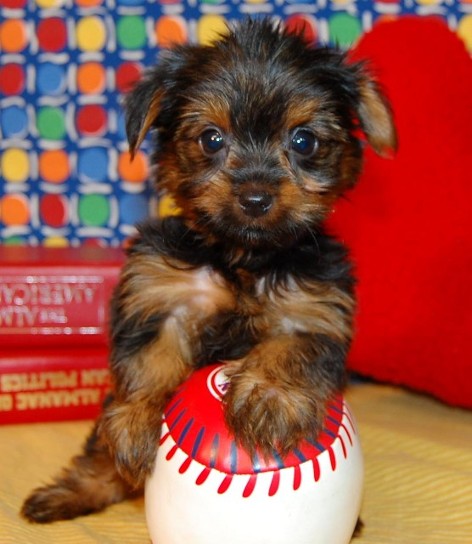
142, 107
375, 116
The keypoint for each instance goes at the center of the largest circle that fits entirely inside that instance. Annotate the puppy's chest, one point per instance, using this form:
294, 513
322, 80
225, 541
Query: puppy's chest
216, 292
256, 299
232, 328
262, 305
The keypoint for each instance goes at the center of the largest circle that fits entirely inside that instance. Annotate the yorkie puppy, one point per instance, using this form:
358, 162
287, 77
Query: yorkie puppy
256, 136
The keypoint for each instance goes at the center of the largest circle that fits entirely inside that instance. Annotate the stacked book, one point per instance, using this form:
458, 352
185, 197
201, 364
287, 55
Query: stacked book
54, 311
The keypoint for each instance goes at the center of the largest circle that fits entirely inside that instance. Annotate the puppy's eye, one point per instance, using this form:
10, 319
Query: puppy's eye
304, 142
212, 141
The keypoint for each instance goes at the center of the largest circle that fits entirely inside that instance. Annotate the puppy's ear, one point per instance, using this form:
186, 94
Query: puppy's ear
142, 107
375, 116
156, 95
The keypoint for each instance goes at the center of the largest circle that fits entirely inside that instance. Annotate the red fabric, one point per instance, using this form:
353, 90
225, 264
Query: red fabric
408, 222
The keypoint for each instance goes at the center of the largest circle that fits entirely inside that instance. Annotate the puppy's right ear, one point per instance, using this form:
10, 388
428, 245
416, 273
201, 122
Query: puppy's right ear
156, 92
142, 106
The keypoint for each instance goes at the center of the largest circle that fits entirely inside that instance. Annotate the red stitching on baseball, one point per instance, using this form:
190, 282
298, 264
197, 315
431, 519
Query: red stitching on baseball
184, 466
343, 446
297, 477
332, 458
164, 438
316, 469
349, 417
225, 484
251, 484
347, 432
202, 477
274, 484
171, 452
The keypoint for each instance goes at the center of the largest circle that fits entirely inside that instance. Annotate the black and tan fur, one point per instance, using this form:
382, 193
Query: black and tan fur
255, 137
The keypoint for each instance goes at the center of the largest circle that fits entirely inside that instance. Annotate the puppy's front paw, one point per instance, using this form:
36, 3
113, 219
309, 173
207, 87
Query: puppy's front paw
132, 432
268, 414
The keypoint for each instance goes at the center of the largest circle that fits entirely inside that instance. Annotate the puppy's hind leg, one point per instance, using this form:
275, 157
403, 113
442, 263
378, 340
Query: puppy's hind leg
88, 485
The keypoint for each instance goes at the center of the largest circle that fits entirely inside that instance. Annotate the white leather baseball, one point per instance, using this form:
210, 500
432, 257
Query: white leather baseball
206, 490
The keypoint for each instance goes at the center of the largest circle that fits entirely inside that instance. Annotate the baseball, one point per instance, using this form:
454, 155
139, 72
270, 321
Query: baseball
207, 490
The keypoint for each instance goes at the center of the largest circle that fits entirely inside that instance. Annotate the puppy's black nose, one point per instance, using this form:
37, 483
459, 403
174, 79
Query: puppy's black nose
255, 204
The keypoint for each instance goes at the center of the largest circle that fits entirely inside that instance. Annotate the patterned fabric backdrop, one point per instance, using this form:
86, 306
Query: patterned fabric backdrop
65, 172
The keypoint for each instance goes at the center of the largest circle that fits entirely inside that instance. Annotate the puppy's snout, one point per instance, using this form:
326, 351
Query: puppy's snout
255, 203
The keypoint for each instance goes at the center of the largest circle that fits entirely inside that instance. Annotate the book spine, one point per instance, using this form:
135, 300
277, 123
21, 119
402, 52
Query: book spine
55, 306
52, 385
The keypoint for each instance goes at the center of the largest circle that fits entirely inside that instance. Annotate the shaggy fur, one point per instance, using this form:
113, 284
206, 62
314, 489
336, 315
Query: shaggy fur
255, 137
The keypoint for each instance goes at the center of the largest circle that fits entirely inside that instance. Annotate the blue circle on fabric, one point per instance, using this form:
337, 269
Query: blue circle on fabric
130, 2
51, 79
133, 208
92, 164
14, 122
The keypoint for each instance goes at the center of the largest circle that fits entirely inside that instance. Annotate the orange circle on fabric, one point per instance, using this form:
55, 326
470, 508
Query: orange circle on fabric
13, 36
91, 78
15, 210
170, 31
54, 166
88, 3
135, 170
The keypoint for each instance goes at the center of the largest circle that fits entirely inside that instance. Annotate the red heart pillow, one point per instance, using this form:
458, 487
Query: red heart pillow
409, 221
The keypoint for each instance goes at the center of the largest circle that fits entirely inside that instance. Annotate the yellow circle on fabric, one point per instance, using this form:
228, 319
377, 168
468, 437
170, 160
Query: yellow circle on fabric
56, 241
15, 165
429, 2
91, 34
210, 28
46, 4
464, 31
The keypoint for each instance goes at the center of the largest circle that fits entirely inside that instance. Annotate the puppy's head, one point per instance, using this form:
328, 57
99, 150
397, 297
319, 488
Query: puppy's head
258, 134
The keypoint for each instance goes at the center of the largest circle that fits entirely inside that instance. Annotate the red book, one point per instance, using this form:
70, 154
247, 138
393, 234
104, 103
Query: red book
52, 384
56, 296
